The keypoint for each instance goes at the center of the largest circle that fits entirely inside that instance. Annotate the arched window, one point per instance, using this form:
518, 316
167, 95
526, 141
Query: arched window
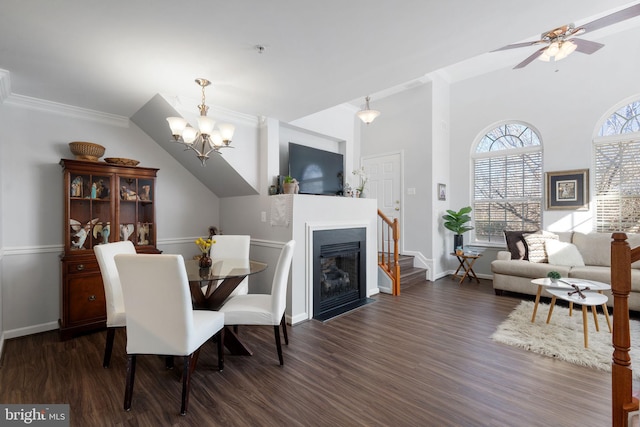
617, 171
507, 181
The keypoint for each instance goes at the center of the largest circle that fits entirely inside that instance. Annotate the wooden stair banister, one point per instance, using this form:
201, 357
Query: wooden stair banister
388, 260
623, 402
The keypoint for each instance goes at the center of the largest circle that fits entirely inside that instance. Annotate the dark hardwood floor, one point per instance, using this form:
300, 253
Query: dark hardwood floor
421, 359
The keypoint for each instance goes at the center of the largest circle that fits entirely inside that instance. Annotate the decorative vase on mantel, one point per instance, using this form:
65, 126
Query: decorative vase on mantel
205, 261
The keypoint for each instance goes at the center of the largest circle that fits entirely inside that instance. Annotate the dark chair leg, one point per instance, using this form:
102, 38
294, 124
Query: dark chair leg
131, 374
111, 333
168, 362
189, 365
220, 340
276, 329
283, 323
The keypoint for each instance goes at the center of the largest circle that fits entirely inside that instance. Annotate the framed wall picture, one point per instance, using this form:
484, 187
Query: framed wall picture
568, 189
442, 191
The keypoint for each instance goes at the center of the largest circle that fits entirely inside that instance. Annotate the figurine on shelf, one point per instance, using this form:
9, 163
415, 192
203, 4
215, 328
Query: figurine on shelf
102, 192
76, 187
126, 230
127, 194
81, 232
94, 190
106, 230
143, 234
145, 193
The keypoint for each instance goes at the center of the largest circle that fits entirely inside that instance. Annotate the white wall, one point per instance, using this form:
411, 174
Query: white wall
405, 124
35, 137
564, 105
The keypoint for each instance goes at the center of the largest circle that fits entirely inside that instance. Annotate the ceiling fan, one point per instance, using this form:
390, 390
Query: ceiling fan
561, 41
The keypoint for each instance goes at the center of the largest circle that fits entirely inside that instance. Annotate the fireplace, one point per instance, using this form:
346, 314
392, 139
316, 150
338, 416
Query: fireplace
339, 271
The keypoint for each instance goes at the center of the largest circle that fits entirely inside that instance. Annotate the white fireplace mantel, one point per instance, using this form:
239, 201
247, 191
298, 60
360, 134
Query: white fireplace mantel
303, 214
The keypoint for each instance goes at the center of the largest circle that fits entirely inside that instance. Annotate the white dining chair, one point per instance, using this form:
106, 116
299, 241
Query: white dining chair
264, 309
112, 290
160, 316
234, 246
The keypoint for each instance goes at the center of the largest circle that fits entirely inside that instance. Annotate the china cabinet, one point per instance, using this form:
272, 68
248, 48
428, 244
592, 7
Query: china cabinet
103, 203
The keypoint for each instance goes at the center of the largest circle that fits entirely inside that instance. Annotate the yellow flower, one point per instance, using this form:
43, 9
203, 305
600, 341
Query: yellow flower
204, 245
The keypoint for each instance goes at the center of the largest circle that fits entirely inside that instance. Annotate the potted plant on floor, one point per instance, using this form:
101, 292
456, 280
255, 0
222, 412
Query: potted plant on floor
455, 221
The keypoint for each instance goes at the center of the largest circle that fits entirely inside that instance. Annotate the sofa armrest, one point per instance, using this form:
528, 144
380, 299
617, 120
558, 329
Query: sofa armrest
503, 255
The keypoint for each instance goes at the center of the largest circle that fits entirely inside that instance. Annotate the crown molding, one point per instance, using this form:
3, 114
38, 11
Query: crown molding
216, 112
67, 110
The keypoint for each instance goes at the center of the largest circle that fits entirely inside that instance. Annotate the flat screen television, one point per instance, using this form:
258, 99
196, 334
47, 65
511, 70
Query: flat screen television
317, 171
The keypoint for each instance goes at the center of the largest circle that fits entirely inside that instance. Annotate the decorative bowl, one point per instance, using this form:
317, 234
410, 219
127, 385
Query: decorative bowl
121, 161
86, 150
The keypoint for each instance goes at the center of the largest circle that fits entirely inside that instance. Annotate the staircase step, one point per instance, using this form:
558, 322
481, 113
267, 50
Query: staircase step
409, 274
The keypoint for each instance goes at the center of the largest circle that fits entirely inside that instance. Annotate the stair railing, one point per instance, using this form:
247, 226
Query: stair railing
388, 259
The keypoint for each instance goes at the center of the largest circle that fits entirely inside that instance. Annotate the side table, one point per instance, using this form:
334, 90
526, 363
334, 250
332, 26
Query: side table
466, 265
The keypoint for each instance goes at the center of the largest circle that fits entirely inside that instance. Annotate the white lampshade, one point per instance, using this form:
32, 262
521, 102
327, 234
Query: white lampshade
368, 116
189, 135
177, 125
226, 132
553, 49
216, 139
565, 50
205, 125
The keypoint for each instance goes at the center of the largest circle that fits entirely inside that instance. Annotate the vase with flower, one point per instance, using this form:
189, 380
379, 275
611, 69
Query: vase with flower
205, 251
362, 175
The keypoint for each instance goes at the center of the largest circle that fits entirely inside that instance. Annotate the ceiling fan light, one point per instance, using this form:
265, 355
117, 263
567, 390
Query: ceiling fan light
544, 57
565, 50
553, 49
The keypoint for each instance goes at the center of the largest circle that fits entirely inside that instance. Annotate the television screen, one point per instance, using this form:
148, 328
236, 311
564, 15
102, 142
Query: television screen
317, 171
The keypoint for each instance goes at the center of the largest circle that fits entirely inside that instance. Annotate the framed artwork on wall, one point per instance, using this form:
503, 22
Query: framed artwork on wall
442, 191
568, 189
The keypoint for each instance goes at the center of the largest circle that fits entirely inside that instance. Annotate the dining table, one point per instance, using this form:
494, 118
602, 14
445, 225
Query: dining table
210, 287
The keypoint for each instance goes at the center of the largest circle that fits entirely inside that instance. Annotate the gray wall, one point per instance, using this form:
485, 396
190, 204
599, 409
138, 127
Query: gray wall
35, 138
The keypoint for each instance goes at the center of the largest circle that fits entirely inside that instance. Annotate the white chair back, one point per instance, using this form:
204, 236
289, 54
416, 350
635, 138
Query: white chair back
234, 246
158, 304
280, 280
231, 246
112, 288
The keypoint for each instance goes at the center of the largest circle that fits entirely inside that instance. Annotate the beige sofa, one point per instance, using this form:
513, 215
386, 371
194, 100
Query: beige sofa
515, 275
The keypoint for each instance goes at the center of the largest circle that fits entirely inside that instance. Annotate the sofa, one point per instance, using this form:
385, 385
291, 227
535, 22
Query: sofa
533, 255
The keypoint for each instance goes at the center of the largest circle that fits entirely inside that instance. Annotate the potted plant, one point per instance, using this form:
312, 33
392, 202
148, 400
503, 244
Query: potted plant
289, 185
455, 221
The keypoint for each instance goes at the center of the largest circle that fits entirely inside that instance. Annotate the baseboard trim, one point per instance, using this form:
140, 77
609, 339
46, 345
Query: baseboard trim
30, 330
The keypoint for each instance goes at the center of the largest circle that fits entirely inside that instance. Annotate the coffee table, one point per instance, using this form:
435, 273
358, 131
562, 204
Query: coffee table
545, 282
586, 299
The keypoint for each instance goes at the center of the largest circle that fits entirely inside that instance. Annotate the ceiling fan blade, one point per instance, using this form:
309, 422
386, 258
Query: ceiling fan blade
516, 45
587, 46
530, 59
613, 18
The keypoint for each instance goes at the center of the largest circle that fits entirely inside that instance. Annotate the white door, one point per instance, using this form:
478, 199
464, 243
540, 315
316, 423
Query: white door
385, 184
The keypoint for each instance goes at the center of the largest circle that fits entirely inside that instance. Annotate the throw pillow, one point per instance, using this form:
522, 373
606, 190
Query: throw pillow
516, 244
562, 253
535, 245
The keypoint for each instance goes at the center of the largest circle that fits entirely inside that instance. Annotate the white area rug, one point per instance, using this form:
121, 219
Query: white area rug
562, 338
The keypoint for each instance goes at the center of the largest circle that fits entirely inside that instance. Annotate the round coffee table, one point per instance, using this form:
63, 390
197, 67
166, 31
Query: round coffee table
566, 283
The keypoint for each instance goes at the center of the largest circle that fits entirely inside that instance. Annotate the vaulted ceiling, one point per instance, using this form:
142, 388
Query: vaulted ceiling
114, 56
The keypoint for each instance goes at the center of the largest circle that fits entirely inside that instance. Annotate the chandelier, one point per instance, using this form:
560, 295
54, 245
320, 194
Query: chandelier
206, 139
367, 115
